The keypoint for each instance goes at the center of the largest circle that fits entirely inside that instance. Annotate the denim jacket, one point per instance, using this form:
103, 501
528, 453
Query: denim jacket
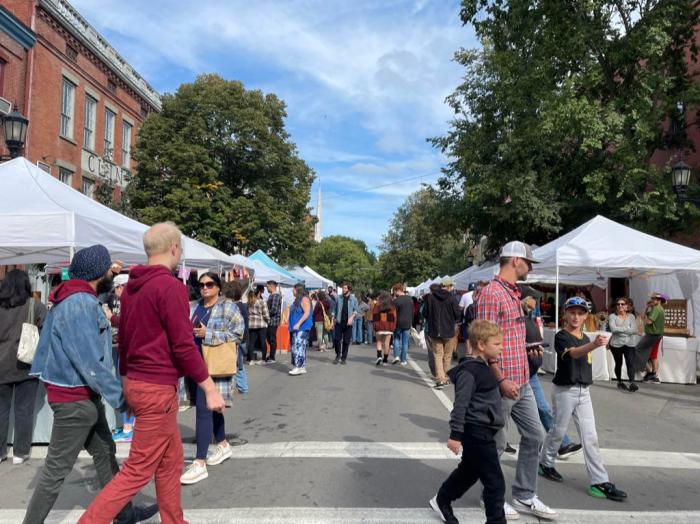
75, 349
353, 307
225, 324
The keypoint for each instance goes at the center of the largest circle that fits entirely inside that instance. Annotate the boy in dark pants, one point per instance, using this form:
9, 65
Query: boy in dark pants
475, 420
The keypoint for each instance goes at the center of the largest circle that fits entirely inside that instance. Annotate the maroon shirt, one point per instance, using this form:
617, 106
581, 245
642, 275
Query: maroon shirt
156, 343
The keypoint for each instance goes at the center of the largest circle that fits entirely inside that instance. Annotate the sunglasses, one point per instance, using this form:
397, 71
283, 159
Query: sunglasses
621, 304
209, 285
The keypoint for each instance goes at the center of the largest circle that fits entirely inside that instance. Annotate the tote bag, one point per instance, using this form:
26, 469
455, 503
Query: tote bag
29, 339
327, 322
221, 359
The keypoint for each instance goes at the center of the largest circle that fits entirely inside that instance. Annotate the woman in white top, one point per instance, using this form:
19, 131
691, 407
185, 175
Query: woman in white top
623, 326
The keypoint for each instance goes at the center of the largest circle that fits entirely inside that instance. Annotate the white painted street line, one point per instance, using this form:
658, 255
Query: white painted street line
416, 451
379, 515
444, 400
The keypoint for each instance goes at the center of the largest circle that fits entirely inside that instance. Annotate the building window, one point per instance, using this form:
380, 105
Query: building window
90, 114
88, 187
126, 145
65, 176
110, 117
71, 53
67, 104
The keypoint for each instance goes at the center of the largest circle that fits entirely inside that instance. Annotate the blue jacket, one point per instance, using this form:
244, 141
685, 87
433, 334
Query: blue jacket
75, 346
353, 307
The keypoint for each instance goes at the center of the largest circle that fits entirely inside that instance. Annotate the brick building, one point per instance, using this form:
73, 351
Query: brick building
84, 102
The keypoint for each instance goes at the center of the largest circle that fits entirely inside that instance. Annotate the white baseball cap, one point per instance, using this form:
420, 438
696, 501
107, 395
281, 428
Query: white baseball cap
120, 280
518, 249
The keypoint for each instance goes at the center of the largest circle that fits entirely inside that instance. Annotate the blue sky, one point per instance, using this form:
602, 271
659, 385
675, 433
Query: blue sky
364, 82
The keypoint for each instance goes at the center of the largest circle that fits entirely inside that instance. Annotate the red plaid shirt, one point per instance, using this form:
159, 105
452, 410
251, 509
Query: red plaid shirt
499, 302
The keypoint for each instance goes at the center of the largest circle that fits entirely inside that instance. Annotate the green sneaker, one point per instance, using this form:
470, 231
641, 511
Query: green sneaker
607, 490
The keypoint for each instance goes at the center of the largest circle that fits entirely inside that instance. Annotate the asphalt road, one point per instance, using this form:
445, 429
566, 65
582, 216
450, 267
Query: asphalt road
360, 443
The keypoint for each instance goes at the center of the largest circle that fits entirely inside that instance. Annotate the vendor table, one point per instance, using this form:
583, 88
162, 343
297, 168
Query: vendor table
678, 359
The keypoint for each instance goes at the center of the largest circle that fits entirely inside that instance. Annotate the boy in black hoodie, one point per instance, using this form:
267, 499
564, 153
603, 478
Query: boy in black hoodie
475, 420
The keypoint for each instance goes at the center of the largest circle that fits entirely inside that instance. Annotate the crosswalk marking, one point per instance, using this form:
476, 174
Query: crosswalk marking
417, 451
313, 515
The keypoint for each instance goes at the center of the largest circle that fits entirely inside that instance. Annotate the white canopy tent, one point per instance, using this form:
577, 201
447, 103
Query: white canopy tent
263, 273
45, 221
311, 279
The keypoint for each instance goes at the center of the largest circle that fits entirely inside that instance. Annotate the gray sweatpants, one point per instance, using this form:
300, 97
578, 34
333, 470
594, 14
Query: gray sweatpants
523, 411
568, 401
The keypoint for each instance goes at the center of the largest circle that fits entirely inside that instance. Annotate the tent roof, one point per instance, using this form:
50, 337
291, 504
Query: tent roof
261, 257
604, 248
263, 273
311, 279
42, 219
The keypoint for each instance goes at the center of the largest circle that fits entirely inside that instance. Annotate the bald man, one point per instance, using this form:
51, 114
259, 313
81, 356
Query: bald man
156, 348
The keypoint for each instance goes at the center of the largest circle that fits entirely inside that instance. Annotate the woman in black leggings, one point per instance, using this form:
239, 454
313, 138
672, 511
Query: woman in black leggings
623, 326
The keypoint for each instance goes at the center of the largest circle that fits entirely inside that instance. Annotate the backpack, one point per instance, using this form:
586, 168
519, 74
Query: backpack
469, 314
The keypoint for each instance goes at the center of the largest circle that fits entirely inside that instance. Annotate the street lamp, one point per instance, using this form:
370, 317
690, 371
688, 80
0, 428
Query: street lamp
15, 125
680, 176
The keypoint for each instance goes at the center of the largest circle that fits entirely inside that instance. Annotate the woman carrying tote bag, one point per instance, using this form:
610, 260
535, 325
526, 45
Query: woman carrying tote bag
215, 321
15, 304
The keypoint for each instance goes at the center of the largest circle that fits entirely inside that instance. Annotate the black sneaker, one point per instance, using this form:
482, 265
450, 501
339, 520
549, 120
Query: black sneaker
139, 514
510, 449
566, 451
633, 387
444, 510
343, 362
439, 385
654, 379
607, 490
378, 362
647, 376
622, 386
337, 360
550, 473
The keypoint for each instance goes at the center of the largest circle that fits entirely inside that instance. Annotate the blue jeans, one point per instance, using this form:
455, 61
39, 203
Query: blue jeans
207, 422
300, 343
370, 331
357, 330
401, 339
241, 377
544, 409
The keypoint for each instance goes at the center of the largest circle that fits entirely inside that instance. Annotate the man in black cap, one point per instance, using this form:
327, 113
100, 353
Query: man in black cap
274, 306
74, 361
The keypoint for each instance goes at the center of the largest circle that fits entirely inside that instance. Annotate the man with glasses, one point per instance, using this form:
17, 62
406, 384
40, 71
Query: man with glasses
499, 302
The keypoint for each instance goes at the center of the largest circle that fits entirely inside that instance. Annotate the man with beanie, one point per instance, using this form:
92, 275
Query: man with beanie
156, 348
74, 361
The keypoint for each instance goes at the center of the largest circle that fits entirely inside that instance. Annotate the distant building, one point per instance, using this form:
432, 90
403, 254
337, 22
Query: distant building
84, 102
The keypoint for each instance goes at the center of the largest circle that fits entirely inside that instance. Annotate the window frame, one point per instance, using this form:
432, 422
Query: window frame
63, 171
89, 143
66, 119
126, 143
91, 182
109, 133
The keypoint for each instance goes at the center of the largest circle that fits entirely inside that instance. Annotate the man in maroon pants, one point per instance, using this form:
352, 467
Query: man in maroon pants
156, 347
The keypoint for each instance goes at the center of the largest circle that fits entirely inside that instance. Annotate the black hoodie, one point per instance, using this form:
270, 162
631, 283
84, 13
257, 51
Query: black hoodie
442, 312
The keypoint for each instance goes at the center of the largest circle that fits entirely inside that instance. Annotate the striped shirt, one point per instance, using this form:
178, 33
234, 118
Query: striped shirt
499, 302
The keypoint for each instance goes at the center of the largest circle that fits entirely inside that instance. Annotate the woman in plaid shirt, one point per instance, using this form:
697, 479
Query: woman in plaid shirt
215, 321
258, 320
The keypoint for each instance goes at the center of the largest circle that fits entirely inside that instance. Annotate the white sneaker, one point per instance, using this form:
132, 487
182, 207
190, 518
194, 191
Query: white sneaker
220, 454
511, 514
396, 360
297, 371
404, 363
194, 473
19, 460
536, 507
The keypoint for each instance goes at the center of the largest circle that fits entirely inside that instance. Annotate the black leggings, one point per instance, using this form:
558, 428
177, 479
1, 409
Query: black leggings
257, 340
628, 353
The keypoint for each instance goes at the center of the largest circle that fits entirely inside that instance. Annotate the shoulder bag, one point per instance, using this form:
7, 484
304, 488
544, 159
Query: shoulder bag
29, 339
327, 322
221, 359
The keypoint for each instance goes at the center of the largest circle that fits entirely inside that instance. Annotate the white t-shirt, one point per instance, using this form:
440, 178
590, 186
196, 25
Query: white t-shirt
466, 300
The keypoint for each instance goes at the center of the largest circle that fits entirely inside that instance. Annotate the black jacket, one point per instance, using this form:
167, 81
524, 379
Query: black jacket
477, 398
442, 312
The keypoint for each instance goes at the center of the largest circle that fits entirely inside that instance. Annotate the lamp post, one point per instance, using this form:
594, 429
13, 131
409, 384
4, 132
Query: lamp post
680, 176
15, 125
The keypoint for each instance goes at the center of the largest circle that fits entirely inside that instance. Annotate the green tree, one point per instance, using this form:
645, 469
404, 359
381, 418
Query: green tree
218, 161
421, 242
342, 258
561, 111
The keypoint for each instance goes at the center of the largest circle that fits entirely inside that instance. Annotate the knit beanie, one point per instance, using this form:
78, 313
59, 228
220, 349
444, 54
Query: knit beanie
90, 263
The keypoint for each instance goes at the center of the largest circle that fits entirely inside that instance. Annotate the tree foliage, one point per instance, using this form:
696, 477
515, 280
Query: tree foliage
421, 243
561, 111
218, 161
341, 259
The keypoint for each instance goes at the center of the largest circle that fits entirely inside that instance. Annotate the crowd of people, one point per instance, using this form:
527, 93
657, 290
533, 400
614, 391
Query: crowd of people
145, 347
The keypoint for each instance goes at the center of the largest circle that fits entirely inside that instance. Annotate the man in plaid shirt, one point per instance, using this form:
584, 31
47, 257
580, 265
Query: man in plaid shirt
499, 302
274, 306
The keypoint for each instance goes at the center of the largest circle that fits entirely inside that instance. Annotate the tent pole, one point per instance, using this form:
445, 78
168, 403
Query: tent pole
71, 253
184, 271
556, 303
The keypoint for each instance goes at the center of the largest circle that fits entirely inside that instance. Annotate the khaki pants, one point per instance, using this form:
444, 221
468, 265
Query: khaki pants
442, 350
